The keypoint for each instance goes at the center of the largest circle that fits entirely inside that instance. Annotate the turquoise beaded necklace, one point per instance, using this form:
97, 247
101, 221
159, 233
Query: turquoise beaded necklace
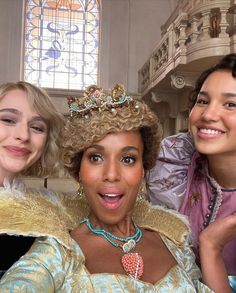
132, 262
129, 242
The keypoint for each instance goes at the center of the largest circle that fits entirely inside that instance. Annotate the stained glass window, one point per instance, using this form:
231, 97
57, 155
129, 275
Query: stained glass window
61, 43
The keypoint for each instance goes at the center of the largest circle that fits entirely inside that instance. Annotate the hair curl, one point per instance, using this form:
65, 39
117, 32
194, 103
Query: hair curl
227, 63
50, 160
80, 133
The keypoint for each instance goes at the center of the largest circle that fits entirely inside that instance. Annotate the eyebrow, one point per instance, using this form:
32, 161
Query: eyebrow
130, 148
10, 110
226, 95
125, 149
95, 146
15, 111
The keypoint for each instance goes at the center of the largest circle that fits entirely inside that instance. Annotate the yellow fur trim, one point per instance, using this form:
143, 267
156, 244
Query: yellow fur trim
165, 221
56, 215
36, 215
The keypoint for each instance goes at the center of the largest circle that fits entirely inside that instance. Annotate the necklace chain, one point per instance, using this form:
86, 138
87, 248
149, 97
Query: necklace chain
133, 239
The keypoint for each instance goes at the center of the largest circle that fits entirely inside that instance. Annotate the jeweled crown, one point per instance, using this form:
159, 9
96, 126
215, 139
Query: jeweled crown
96, 99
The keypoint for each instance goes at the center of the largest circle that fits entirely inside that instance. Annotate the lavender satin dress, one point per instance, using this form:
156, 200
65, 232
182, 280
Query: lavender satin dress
180, 180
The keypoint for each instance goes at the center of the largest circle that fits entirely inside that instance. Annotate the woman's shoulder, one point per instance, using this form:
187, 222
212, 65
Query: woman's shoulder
177, 148
38, 212
165, 221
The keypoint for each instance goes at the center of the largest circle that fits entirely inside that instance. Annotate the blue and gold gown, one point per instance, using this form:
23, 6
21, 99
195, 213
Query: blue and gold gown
56, 263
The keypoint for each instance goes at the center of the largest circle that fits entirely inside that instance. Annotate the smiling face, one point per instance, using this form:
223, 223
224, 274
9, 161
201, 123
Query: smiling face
213, 117
23, 134
111, 172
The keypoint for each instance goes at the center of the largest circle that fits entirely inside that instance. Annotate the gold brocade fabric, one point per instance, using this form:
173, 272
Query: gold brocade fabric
56, 263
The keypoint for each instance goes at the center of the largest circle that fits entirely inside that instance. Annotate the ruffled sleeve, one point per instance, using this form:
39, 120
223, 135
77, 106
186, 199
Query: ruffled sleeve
42, 269
167, 181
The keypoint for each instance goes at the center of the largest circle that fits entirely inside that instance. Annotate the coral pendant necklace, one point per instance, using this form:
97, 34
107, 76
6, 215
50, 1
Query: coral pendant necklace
132, 262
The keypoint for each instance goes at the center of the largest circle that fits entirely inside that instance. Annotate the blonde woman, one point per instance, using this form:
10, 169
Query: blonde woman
30, 138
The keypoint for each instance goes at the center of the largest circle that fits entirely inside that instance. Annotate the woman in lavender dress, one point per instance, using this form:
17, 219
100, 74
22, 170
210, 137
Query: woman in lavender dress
201, 182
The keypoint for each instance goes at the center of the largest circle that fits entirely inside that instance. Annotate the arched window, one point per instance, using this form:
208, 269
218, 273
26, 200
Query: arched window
61, 43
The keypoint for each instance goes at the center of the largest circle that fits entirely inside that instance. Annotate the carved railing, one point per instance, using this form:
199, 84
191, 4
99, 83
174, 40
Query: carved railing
197, 29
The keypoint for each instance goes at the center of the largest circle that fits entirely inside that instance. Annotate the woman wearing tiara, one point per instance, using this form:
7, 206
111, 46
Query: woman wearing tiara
109, 239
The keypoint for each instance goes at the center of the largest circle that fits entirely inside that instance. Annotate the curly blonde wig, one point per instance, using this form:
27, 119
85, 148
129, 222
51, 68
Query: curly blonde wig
50, 161
81, 132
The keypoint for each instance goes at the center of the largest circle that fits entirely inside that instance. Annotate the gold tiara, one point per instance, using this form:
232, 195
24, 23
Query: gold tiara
96, 99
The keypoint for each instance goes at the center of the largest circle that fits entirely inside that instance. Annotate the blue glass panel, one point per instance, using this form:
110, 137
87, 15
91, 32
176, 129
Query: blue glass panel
61, 43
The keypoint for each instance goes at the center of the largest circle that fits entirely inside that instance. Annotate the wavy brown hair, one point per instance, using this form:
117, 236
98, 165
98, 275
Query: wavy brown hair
82, 132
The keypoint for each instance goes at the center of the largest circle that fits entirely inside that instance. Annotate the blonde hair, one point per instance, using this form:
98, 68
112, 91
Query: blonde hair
81, 132
50, 160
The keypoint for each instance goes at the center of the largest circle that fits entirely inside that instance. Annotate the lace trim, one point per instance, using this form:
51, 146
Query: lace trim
215, 201
16, 186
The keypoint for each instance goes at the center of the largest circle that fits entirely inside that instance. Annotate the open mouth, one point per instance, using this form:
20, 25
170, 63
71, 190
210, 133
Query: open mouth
111, 198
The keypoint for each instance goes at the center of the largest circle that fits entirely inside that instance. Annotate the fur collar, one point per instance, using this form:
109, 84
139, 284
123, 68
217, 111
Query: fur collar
55, 215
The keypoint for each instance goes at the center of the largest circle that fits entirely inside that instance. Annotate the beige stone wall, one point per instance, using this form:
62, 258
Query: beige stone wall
130, 31
10, 39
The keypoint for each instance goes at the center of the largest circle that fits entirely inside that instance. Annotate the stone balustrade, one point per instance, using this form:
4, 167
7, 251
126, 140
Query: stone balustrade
196, 30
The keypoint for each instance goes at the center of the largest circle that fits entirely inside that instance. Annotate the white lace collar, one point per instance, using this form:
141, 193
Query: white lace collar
16, 186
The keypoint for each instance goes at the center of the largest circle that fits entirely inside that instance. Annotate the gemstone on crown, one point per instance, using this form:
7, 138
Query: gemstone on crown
96, 99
